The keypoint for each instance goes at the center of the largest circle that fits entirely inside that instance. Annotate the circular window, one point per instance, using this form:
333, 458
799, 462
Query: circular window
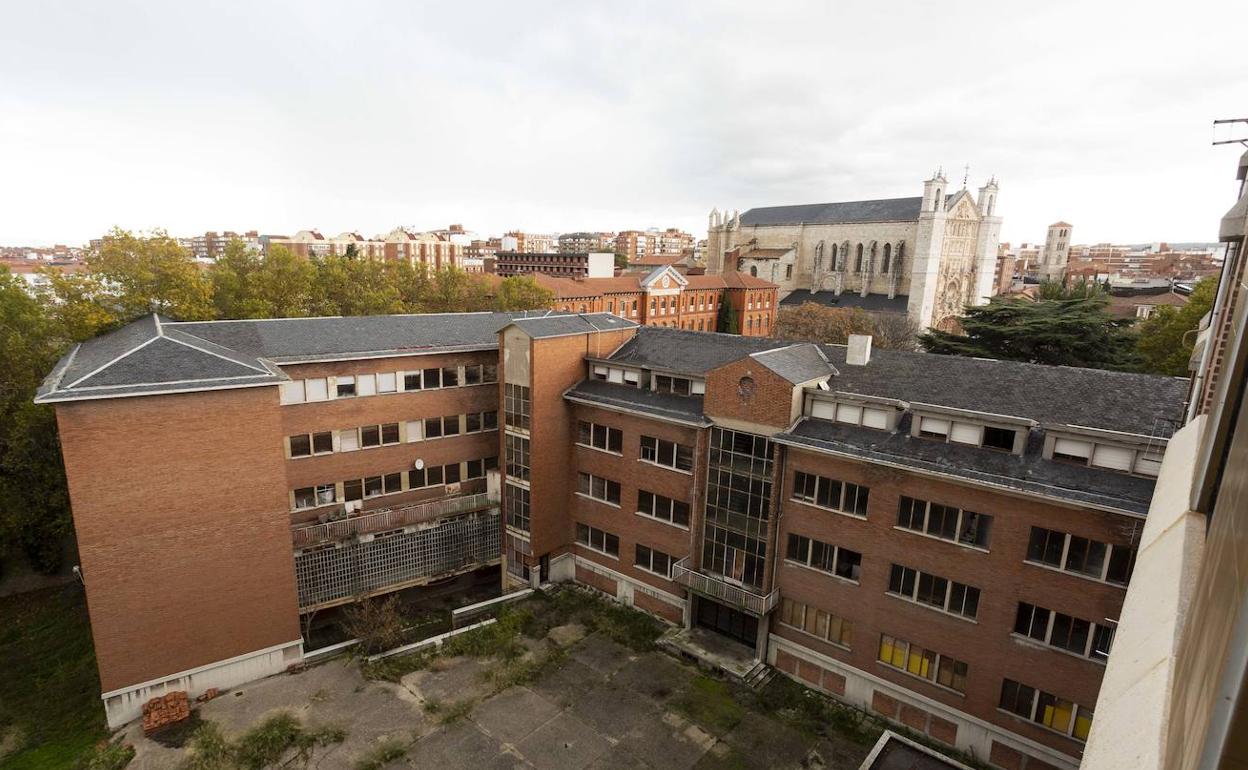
745, 388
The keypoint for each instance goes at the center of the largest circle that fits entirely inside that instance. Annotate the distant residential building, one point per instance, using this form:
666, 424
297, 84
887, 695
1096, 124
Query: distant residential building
310, 243
211, 245
531, 243
483, 249
580, 265
1161, 260
457, 235
33, 272
640, 245
666, 297
429, 249
571, 243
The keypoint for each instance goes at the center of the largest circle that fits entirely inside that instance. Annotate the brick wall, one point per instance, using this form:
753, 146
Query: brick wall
770, 404
179, 504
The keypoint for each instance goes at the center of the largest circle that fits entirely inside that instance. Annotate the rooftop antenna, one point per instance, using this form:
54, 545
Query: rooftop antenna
1229, 131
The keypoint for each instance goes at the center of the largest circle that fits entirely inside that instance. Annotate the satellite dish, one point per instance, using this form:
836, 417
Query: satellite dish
419, 464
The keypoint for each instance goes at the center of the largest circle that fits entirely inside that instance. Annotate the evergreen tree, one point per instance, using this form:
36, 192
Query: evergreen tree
1070, 332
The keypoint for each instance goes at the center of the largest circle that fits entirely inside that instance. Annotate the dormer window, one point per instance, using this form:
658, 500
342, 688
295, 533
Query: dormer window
934, 427
999, 438
1067, 450
667, 384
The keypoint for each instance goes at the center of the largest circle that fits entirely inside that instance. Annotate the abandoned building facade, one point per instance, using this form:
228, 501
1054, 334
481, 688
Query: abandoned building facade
944, 541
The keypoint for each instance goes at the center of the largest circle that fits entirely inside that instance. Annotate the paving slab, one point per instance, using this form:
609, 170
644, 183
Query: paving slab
667, 742
570, 680
612, 710
511, 715
654, 675
460, 745
601, 654
451, 680
563, 743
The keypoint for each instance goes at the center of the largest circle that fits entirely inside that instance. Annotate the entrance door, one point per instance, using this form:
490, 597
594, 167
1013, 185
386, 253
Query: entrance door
733, 624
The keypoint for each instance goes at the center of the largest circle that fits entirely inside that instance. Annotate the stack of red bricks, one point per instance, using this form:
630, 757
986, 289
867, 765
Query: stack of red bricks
165, 710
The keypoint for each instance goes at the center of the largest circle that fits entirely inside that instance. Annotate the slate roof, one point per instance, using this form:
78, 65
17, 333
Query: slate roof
1050, 395
847, 212
798, 363
1028, 472
872, 303
155, 355
561, 325
685, 409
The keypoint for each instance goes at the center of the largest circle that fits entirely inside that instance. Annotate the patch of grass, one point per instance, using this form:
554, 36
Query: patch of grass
49, 688
382, 755
710, 703
813, 714
279, 738
456, 711
629, 627
112, 756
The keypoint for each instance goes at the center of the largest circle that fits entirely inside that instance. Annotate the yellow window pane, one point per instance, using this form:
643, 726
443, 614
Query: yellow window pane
1058, 715
821, 624
1083, 725
886, 649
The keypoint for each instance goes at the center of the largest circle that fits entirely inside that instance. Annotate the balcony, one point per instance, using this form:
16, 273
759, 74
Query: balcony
721, 590
388, 519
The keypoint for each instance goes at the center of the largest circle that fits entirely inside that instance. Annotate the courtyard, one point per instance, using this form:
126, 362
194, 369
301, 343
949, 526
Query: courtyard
566, 680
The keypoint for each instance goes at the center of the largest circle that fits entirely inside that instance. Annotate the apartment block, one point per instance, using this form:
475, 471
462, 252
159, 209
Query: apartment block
944, 541
210, 245
642, 245
562, 264
310, 243
573, 243
433, 250
667, 297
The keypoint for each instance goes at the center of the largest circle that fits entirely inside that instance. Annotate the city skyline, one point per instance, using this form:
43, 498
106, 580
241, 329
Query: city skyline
575, 118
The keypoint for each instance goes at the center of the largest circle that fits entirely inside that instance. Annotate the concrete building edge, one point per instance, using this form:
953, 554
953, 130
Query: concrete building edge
975, 736
126, 704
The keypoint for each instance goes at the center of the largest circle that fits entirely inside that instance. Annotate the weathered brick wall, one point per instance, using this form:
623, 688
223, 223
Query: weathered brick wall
771, 403
179, 504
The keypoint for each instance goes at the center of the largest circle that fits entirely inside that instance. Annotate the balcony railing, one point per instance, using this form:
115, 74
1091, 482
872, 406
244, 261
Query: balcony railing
389, 518
721, 590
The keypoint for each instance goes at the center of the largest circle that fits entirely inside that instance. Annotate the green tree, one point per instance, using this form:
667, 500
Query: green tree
249, 285
1081, 289
1068, 332
1166, 340
34, 509
148, 273
726, 319
521, 292
621, 261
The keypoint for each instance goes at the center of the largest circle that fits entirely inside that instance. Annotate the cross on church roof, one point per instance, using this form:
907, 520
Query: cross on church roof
966, 175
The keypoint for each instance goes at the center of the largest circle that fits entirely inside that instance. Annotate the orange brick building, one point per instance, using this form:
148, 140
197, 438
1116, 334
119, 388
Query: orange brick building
940, 540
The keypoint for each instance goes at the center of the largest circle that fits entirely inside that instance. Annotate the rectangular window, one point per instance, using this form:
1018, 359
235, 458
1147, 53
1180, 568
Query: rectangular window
933, 427
387, 382
292, 392
372, 486
944, 521
431, 378
934, 591
1063, 631
317, 389
1057, 714
599, 488
370, 436
653, 561
300, 446
451, 473
305, 497
666, 384
390, 433
353, 489
345, 387
516, 456
597, 540
433, 427
1080, 555
663, 508
489, 420
474, 469
666, 453
489, 373
516, 504
808, 619
600, 437
830, 493
392, 482
450, 376
366, 384
999, 438
913, 659
838, 561
411, 381
450, 425
322, 443
472, 422
348, 440
516, 406
472, 374
1072, 451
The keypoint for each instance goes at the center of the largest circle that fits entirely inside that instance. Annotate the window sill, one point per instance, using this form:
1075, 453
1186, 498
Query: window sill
816, 506
665, 522
1036, 644
598, 449
923, 679
967, 546
671, 468
1039, 725
926, 606
640, 568
825, 573
519, 533
314, 454
591, 549
1079, 575
804, 632
596, 500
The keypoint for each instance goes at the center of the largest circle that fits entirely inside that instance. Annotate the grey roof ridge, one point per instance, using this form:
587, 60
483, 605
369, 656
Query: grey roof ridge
337, 317
836, 203
203, 345
980, 477
98, 388
52, 382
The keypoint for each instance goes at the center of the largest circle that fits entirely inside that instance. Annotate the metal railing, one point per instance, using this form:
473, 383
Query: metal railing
388, 519
720, 589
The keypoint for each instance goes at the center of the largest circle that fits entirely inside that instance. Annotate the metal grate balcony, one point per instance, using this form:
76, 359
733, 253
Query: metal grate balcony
719, 589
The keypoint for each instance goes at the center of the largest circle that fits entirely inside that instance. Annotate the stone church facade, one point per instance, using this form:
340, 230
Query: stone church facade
926, 256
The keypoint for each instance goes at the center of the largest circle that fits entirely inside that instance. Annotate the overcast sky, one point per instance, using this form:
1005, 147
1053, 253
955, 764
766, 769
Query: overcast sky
566, 116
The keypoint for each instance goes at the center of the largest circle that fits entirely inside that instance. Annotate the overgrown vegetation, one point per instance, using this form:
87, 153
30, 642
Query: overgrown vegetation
110, 756
812, 322
382, 755
1166, 340
280, 738
49, 689
378, 623
710, 703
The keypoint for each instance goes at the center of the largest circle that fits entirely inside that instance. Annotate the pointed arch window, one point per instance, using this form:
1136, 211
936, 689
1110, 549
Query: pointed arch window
888, 259
835, 258
858, 260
